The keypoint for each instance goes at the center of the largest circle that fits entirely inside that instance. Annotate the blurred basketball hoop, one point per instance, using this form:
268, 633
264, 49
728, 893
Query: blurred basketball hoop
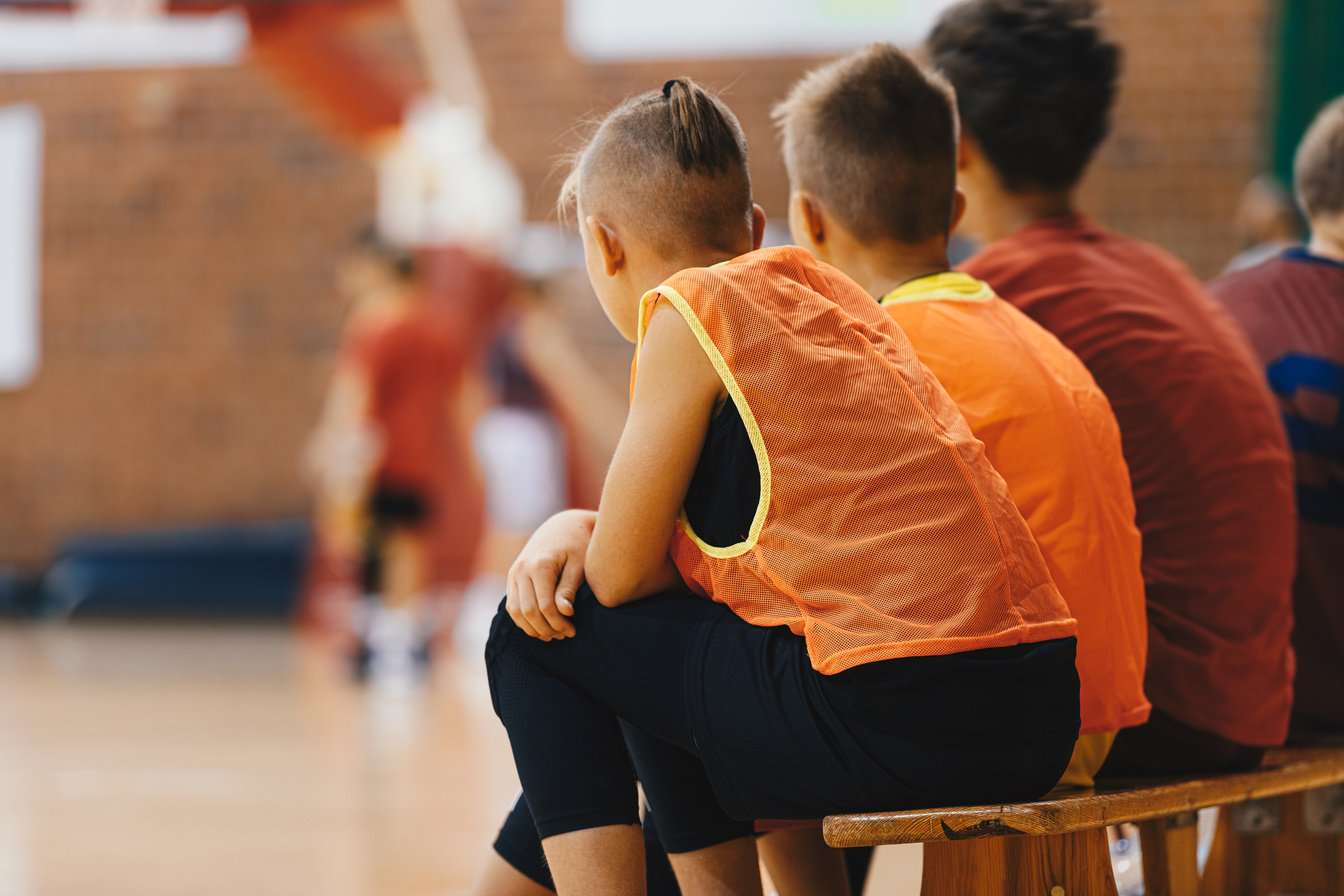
114, 34
618, 30
121, 9
442, 182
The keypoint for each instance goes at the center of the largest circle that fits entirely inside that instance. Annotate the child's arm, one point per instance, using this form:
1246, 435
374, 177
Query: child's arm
676, 392
340, 459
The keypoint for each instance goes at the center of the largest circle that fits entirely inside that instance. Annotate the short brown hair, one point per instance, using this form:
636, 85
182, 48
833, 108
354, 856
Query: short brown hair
671, 162
1318, 169
874, 137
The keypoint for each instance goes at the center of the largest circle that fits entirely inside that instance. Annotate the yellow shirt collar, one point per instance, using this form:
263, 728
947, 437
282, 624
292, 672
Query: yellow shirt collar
947, 286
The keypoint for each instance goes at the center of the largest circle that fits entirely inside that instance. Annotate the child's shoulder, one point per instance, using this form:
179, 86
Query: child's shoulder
784, 260
778, 282
791, 267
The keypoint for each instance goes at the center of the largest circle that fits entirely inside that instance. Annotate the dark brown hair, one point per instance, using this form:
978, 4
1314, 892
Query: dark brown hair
400, 260
1318, 169
874, 137
1035, 81
673, 164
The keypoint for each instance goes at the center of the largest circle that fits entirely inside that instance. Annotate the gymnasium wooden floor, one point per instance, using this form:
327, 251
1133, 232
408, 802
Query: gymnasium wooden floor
224, 760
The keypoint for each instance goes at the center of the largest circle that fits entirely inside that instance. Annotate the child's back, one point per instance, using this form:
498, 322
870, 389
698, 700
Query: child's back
881, 529
870, 144
1051, 433
884, 634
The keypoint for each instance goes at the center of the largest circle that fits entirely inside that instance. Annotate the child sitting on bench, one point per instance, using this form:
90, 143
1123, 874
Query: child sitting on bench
870, 144
881, 630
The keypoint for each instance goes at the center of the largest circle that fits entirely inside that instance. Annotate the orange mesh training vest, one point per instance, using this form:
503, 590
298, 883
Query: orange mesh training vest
1051, 434
881, 530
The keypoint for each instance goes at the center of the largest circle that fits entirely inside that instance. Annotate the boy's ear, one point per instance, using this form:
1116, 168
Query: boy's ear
613, 253
757, 225
958, 208
806, 220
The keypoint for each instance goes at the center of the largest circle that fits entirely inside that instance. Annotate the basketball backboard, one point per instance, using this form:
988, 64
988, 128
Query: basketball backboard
20, 226
615, 30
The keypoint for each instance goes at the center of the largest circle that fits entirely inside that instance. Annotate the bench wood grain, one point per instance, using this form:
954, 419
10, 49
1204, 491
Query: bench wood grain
1070, 811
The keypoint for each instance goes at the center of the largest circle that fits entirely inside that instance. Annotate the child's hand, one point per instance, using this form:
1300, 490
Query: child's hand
547, 574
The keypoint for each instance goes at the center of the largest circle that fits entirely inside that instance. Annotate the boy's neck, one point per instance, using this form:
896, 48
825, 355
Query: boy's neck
880, 268
993, 212
652, 269
1327, 238
705, 259
1002, 214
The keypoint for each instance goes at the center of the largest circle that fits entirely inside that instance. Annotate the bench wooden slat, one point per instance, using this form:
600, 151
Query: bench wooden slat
1062, 812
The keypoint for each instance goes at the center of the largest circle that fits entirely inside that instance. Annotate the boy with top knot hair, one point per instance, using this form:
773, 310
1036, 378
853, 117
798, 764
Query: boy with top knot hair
806, 590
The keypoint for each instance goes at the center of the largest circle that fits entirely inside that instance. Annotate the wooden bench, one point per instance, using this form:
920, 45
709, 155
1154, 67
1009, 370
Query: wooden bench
1058, 846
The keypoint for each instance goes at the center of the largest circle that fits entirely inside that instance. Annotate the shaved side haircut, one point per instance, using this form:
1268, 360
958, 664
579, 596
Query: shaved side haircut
671, 165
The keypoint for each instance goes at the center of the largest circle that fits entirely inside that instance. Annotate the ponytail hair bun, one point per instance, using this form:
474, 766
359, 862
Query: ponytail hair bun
702, 138
671, 162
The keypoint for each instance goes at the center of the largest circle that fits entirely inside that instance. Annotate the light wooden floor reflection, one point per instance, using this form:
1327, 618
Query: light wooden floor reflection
205, 761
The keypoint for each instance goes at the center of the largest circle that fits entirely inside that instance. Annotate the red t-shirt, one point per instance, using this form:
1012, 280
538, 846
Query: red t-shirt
1212, 476
409, 358
1292, 308
414, 356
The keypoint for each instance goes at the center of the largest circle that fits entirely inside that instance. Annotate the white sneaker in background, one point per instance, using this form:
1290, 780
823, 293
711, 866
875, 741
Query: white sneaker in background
394, 640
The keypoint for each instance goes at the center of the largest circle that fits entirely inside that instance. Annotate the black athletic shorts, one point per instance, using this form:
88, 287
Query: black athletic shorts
734, 722
391, 507
1166, 746
398, 505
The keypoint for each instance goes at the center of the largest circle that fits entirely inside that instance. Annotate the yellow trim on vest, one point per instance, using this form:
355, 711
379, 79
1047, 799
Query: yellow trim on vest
647, 304
949, 285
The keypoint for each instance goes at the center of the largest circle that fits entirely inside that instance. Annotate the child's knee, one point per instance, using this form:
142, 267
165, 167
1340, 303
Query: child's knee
501, 656
494, 643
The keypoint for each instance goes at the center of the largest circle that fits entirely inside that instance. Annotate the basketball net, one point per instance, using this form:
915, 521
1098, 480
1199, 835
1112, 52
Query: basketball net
442, 182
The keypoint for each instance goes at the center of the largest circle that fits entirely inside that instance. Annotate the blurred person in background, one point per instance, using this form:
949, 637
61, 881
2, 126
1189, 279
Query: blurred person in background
1266, 223
1292, 308
1212, 477
524, 453
552, 403
386, 439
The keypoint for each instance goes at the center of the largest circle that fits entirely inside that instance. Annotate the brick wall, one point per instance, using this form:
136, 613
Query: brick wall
1189, 129
1191, 126
191, 219
187, 324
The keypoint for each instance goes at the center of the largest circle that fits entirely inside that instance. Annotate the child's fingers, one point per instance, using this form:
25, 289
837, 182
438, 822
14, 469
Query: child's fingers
571, 577
544, 587
536, 604
521, 605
